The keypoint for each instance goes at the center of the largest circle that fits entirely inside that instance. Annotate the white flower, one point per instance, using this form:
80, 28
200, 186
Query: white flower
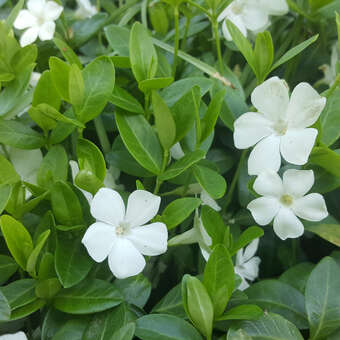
330, 70
85, 9
38, 20
121, 235
284, 200
247, 265
35, 76
280, 126
252, 15
15, 336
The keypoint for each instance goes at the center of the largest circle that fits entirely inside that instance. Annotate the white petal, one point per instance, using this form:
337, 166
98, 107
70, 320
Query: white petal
125, 260
271, 98
254, 17
46, 31
264, 209
224, 14
35, 76
305, 106
251, 250
205, 238
150, 239
108, 206
29, 36
142, 206
311, 207
205, 251
15, 336
297, 182
52, 11
250, 269
297, 144
74, 169
188, 237
176, 151
36, 7
209, 201
287, 225
265, 156
244, 284
237, 21
275, 7
268, 183
98, 240
24, 20
250, 128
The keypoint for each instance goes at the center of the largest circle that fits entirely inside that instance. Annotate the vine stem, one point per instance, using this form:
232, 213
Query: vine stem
176, 47
218, 45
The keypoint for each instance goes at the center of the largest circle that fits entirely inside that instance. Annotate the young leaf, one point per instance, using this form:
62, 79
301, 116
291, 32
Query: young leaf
67, 52
8, 175
263, 55
125, 100
59, 72
243, 312
76, 87
246, 237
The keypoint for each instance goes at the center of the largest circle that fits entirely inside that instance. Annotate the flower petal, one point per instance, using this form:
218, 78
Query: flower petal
311, 207
24, 20
14, 336
264, 209
108, 206
188, 237
287, 225
237, 21
46, 31
52, 11
205, 251
29, 36
271, 98
142, 206
297, 182
250, 128
297, 144
150, 239
268, 183
251, 250
209, 201
125, 260
265, 156
176, 151
36, 7
254, 17
305, 106
224, 14
250, 269
276, 7
99, 240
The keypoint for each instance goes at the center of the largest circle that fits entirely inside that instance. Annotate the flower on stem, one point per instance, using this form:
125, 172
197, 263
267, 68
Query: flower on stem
252, 15
85, 9
329, 71
280, 126
38, 20
122, 235
247, 265
15, 336
285, 200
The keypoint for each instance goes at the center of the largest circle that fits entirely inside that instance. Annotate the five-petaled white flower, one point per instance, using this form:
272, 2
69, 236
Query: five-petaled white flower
284, 200
121, 235
247, 265
280, 126
85, 9
38, 20
252, 15
14, 336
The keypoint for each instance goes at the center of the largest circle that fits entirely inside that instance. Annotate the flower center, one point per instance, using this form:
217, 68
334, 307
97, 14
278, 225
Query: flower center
40, 20
237, 7
286, 200
122, 229
281, 128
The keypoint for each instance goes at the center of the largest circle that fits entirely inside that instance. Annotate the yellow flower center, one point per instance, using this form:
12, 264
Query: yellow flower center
286, 200
281, 128
122, 229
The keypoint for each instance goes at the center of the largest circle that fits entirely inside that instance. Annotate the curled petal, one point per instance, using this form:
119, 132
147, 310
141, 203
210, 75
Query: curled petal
46, 31
24, 20
297, 182
311, 207
287, 225
250, 128
142, 206
269, 183
188, 237
255, 18
125, 260
107, 206
29, 36
250, 250
264, 209
296, 145
209, 201
98, 240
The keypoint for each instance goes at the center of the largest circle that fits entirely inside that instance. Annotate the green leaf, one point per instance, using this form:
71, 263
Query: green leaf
327, 159
127, 332
165, 327
329, 232
219, 278
125, 100
182, 164
143, 56
67, 52
76, 87
245, 238
65, 205
237, 335
118, 38
294, 51
165, 124
20, 135
14, 13
5, 310
141, 141
47, 289
72, 262
323, 299
244, 312
18, 239
278, 297
23, 57
178, 210
7, 268
59, 72
88, 297
99, 81
148, 85
28, 309
87, 181
72, 330
8, 175
211, 181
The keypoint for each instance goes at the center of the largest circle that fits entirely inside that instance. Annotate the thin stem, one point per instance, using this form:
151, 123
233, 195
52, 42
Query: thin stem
174, 66
218, 45
205, 11
146, 105
330, 91
144, 13
101, 132
165, 162
186, 31
98, 5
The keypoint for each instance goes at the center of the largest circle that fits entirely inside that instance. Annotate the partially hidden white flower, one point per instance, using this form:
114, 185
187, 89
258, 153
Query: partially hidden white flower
281, 127
285, 200
122, 235
38, 20
85, 9
247, 265
35, 76
14, 336
329, 71
252, 15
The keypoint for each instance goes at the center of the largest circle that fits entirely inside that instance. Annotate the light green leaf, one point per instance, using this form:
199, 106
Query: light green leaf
125, 100
243, 312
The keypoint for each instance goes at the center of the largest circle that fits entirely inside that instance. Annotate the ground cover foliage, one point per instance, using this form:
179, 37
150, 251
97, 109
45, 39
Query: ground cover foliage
169, 170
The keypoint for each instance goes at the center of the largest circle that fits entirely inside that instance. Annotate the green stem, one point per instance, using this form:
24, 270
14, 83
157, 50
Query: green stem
186, 31
218, 45
98, 5
147, 97
164, 164
101, 132
198, 125
202, 9
144, 13
330, 91
174, 66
